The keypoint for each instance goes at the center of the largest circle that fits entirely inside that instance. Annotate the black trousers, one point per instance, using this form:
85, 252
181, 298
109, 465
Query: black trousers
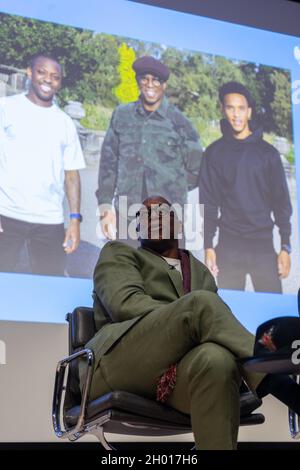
237, 257
32, 248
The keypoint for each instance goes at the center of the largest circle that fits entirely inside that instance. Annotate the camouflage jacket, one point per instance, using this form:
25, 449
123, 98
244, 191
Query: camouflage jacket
160, 149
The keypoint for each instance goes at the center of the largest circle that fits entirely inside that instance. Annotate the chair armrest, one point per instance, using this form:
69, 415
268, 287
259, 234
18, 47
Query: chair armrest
60, 389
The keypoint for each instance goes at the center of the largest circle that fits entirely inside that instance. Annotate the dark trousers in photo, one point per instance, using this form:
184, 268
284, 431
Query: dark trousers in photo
237, 257
30, 247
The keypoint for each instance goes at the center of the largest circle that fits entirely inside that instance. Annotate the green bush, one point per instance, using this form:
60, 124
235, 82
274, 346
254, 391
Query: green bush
97, 117
291, 156
208, 132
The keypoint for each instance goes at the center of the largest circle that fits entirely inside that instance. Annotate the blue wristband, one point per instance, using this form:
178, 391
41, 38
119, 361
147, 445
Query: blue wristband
75, 215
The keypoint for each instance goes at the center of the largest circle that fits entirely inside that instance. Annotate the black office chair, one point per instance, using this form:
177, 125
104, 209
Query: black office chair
116, 412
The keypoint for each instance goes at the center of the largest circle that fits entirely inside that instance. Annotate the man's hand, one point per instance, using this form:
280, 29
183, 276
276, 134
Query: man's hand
72, 237
211, 261
108, 223
284, 264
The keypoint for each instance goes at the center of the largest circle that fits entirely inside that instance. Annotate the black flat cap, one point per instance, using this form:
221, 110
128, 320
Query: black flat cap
148, 64
277, 334
276, 349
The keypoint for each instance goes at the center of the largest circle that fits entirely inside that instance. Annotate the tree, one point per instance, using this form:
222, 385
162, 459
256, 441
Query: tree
127, 90
281, 104
98, 72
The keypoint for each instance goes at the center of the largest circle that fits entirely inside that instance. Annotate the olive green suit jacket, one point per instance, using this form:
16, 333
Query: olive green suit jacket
129, 284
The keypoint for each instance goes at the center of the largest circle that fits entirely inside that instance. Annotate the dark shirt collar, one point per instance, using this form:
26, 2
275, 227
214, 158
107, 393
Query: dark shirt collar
162, 110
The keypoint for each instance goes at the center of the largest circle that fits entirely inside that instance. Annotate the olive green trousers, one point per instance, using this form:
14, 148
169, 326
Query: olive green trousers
199, 333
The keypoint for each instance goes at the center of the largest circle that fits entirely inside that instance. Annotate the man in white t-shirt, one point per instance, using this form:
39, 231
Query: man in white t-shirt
40, 156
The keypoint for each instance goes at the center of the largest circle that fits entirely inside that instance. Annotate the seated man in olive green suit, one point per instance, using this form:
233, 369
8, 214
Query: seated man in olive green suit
164, 333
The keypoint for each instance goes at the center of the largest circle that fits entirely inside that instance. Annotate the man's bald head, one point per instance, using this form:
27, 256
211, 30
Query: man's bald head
153, 200
158, 224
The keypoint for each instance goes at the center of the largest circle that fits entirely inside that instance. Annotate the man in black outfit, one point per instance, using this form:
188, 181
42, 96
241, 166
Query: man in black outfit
244, 191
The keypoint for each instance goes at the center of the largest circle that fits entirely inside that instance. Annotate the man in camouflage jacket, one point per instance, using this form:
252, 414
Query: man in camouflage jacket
150, 148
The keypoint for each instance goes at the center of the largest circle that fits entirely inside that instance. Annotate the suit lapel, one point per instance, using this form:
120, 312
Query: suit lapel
176, 279
174, 275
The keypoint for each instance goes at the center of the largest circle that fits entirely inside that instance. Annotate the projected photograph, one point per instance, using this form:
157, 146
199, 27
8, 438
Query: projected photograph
95, 147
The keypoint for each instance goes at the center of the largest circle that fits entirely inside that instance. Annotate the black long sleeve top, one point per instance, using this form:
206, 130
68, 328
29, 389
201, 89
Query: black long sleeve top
243, 188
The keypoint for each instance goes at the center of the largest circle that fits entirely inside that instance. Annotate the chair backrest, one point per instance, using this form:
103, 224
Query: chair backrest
81, 329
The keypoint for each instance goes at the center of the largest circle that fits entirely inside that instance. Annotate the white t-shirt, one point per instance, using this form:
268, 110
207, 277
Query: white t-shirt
174, 262
36, 145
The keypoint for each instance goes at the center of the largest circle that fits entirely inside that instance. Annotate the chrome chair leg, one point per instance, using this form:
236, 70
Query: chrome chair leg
294, 419
99, 433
